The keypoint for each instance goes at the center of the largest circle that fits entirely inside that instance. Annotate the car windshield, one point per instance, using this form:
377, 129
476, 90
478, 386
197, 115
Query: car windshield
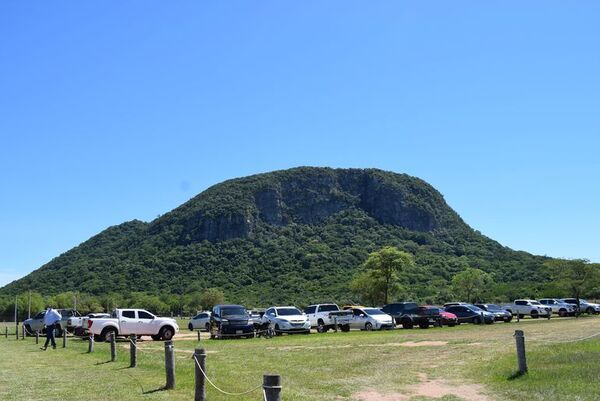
492, 307
373, 311
428, 311
328, 308
474, 308
433, 311
288, 311
234, 311
535, 303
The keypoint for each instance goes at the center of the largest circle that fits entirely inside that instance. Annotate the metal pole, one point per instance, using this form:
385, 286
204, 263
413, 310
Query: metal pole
200, 356
272, 387
133, 351
65, 338
170, 365
520, 340
113, 347
90, 343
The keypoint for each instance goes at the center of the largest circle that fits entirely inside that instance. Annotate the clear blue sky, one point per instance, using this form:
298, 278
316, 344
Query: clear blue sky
113, 111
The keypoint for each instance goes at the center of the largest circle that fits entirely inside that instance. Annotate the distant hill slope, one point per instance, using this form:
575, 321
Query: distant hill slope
290, 236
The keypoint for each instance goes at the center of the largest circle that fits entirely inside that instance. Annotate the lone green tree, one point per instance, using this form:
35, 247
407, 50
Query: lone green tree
212, 297
378, 279
471, 283
576, 276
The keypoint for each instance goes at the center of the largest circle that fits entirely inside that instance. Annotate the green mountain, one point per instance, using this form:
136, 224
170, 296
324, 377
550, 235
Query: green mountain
290, 236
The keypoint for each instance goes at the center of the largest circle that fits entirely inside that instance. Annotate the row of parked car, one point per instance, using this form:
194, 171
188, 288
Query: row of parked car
235, 321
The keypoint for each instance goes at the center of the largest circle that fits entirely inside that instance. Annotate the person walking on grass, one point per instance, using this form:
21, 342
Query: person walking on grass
51, 319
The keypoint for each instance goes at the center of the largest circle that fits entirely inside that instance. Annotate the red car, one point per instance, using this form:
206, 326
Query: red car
447, 318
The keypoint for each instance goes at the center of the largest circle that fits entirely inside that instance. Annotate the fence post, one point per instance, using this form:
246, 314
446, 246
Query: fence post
22, 332
335, 325
65, 338
90, 343
133, 351
198, 334
6, 332
200, 357
520, 339
17, 330
37, 337
170, 365
113, 347
272, 387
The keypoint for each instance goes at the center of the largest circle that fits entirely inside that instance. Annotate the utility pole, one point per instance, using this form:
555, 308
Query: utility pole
16, 316
29, 306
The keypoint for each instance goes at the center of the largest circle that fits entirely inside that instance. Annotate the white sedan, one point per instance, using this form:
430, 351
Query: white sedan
286, 319
200, 322
370, 319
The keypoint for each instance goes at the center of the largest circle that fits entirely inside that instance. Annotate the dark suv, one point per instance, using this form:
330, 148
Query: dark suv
230, 321
409, 314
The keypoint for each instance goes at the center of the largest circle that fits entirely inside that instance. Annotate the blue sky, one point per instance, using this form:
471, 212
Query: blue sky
113, 111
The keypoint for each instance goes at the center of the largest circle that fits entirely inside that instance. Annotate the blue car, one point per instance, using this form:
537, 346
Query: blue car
467, 313
230, 321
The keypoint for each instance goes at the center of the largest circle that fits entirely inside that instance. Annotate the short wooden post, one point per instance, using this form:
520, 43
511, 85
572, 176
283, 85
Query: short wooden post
133, 351
335, 325
90, 343
200, 358
272, 387
6, 332
198, 335
520, 339
170, 365
518, 318
482, 319
65, 338
37, 336
17, 330
22, 332
113, 347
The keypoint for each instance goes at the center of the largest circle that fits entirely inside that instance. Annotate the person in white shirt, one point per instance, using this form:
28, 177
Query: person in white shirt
51, 319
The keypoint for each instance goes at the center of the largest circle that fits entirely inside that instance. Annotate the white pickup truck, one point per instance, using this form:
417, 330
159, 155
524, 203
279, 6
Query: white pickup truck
326, 316
124, 322
528, 307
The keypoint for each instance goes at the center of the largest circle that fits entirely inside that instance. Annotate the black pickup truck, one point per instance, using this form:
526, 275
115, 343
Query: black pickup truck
409, 314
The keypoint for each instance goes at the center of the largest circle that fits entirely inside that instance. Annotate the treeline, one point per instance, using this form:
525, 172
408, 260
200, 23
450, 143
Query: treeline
160, 304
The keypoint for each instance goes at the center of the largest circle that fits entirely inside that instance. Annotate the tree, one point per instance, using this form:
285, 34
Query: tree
576, 276
378, 280
471, 283
212, 297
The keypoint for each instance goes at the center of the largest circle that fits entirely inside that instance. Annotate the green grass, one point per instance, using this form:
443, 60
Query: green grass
331, 366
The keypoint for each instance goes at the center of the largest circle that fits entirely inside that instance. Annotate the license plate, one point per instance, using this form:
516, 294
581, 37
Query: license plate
238, 332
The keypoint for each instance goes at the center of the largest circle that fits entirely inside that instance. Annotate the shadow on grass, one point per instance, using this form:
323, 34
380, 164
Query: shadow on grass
156, 390
516, 375
102, 363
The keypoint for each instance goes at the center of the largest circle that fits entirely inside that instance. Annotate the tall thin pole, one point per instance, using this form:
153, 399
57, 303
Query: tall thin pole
29, 306
16, 315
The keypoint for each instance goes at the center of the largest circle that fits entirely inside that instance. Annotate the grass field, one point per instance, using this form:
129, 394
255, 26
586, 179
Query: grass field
462, 363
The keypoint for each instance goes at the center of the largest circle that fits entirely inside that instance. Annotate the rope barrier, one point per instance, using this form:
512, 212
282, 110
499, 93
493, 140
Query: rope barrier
563, 341
223, 391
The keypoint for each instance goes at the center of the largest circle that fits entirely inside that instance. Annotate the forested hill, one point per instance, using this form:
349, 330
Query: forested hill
290, 236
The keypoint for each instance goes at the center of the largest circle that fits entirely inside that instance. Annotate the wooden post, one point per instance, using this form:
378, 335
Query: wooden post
335, 325
200, 356
113, 347
518, 317
6, 332
272, 387
37, 337
169, 365
90, 343
65, 338
520, 339
22, 332
17, 331
198, 334
133, 351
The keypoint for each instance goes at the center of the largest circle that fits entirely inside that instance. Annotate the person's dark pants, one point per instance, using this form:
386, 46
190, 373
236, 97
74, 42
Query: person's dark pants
50, 336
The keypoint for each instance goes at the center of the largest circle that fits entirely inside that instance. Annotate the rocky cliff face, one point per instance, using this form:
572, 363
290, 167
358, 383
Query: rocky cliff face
308, 196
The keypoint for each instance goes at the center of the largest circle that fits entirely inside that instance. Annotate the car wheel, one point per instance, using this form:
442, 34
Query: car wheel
167, 333
508, 320
477, 320
321, 327
407, 324
562, 313
107, 333
534, 315
590, 311
368, 326
452, 324
424, 325
277, 330
190, 327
